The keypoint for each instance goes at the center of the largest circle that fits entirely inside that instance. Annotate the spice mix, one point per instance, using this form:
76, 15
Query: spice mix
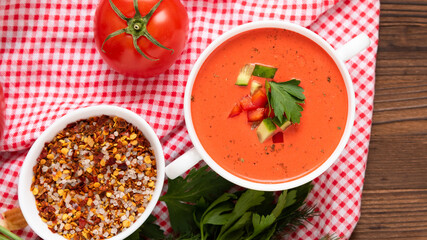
94, 179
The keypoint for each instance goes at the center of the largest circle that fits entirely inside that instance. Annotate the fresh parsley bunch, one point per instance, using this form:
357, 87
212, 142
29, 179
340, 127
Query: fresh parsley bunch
202, 207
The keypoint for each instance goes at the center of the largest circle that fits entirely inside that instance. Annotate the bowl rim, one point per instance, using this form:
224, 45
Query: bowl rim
350, 112
25, 196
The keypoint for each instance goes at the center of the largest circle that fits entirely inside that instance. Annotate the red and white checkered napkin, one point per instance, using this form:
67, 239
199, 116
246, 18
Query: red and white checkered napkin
49, 66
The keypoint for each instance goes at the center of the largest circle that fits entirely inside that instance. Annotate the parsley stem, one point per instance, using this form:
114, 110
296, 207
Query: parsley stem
8, 233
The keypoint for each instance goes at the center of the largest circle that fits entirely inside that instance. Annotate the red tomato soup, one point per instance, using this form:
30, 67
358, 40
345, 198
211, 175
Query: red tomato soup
232, 143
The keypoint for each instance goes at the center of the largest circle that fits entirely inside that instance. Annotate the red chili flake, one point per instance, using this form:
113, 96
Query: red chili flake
122, 166
110, 161
82, 223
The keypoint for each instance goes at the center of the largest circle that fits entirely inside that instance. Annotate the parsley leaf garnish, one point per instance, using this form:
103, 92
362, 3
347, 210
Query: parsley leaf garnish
247, 200
183, 194
285, 98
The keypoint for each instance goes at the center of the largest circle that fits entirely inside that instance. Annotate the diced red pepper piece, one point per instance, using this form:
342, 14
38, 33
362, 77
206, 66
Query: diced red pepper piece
278, 137
247, 104
235, 111
269, 112
256, 115
259, 98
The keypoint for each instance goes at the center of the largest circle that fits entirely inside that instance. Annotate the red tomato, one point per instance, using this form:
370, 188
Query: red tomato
246, 103
168, 25
255, 115
235, 111
259, 98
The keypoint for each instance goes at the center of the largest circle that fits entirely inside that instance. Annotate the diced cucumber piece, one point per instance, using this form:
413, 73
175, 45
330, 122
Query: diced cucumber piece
245, 75
286, 123
255, 86
265, 130
264, 71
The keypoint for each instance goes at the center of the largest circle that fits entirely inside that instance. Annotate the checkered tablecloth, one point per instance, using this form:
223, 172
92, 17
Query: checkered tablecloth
49, 66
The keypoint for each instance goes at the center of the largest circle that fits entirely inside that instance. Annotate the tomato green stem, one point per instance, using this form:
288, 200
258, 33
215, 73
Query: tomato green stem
118, 32
148, 16
135, 44
117, 11
137, 27
135, 5
151, 38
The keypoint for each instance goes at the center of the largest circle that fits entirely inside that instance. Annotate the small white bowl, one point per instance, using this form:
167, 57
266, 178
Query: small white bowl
26, 198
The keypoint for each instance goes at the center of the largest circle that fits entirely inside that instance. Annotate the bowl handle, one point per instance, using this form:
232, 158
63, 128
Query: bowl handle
182, 163
353, 47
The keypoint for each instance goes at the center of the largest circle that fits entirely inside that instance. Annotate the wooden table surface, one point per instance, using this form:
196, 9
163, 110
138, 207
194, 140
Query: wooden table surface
394, 198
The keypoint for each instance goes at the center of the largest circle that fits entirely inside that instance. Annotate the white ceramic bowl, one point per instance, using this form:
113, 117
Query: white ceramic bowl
26, 198
183, 163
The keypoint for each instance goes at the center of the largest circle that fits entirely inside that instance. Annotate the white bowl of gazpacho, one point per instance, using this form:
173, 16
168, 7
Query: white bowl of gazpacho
269, 105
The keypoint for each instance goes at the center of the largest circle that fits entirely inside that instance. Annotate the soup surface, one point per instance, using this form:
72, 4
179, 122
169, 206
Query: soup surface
232, 143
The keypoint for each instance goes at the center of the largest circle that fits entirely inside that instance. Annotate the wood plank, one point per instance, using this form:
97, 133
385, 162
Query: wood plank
398, 214
397, 160
394, 199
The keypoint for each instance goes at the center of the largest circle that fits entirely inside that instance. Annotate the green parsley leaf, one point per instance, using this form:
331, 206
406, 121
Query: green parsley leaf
189, 236
296, 197
213, 214
183, 194
217, 213
134, 235
218, 217
151, 230
260, 223
296, 213
267, 205
237, 229
247, 200
281, 204
200, 210
285, 98
268, 234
